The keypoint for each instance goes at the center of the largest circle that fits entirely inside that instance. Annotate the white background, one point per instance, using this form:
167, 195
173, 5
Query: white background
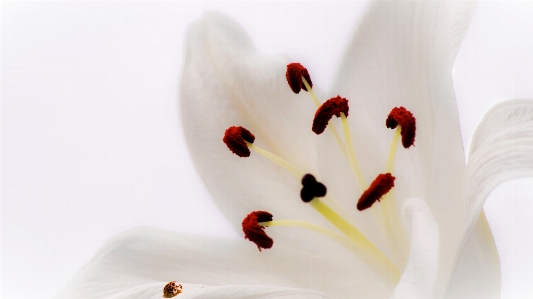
91, 137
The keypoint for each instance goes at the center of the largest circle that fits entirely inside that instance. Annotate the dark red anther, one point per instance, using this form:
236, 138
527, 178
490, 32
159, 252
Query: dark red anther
406, 120
311, 188
255, 232
379, 187
295, 72
235, 138
333, 106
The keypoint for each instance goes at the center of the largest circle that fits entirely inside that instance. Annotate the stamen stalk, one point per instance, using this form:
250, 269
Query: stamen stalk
392, 224
392, 150
313, 227
276, 159
330, 124
351, 155
368, 248
311, 92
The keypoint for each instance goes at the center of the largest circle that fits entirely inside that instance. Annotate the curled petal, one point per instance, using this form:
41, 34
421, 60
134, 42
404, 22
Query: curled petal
235, 138
501, 150
333, 106
379, 187
406, 120
294, 74
255, 232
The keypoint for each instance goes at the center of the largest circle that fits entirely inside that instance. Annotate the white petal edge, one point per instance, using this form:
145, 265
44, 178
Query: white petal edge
477, 273
226, 82
420, 273
154, 291
502, 149
146, 255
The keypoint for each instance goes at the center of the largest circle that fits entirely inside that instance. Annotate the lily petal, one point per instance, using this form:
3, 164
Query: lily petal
153, 291
420, 273
146, 255
226, 82
477, 272
502, 149
401, 54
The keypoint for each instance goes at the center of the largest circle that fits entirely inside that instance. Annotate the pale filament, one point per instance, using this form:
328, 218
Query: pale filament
276, 159
358, 174
368, 254
391, 221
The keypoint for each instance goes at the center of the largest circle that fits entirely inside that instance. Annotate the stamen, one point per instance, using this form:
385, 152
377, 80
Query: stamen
311, 188
334, 106
379, 187
331, 127
172, 289
406, 120
356, 169
237, 140
295, 73
310, 226
255, 232
276, 159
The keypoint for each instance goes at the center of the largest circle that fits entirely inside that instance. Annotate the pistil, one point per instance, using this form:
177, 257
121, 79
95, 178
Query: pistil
311, 192
372, 255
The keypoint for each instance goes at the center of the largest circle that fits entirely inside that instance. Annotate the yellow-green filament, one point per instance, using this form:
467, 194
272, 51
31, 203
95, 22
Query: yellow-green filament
358, 174
311, 93
366, 246
392, 150
391, 221
331, 127
313, 227
276, 159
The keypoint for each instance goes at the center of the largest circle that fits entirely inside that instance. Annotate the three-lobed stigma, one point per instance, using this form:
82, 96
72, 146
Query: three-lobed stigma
311, 188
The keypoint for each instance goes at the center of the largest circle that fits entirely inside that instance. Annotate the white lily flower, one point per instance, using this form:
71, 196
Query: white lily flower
431, 239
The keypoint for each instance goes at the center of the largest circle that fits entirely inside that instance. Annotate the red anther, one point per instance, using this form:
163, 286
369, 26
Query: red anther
235, 138
406, 120
295, 72
379, 187
255, 232
333, 106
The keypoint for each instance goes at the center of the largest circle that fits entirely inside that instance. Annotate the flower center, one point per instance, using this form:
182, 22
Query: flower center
240, 141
